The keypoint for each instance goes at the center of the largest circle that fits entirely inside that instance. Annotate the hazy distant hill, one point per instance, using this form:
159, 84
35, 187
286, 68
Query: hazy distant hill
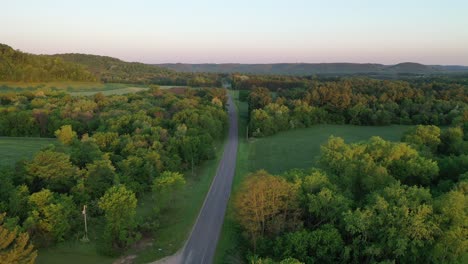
316, 68
411, 67
110, 69
20, 66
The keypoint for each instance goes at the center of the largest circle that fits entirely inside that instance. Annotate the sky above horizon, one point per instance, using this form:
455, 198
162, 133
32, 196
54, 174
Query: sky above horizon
243, 31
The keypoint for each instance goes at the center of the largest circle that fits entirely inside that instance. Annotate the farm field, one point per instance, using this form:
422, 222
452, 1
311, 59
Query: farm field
79, 88
281, 152
13, 149
300, 148
125, 90
70, 86
119, 91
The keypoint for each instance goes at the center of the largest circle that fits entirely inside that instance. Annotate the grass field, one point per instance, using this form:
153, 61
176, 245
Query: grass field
74, 86
13, 149
300, 148
281, 152
125, 90
78, 88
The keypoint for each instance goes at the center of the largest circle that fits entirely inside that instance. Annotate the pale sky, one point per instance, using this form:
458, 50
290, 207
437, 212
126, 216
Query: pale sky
242, 31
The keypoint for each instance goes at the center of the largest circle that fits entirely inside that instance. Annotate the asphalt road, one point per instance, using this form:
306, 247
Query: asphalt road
201, 245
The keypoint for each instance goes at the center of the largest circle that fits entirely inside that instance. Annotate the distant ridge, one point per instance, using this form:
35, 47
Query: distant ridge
316, 68
110, 69
20, 66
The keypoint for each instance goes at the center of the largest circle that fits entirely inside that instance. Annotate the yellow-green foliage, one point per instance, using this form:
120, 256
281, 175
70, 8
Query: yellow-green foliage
119, 206
14, 246
18, 66
65, 134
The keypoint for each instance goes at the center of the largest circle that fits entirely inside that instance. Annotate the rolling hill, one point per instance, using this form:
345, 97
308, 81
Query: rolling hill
110, 69
20, 66
318, 68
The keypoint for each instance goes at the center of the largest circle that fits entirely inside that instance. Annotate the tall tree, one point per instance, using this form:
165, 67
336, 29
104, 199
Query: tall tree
65, 134
164, 187
119, 206
266, 205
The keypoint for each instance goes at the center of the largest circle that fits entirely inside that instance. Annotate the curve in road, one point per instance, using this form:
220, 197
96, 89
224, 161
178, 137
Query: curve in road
201, 245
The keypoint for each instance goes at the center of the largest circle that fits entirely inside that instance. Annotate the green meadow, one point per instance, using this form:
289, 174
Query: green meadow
13, 149
77, 88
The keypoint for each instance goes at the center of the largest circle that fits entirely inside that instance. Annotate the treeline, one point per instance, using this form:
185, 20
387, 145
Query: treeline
18, 66
112, 70
368, 202
112, 150
278, 82
23, 67
357, 101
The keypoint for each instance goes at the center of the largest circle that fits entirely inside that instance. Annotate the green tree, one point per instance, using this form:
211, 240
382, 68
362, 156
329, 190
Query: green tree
261, 123
424, 137
52, 170
258, 98
100, 176
452, 142
85, 151
280, 115
165, 186
119, 206
452, 244
320, 200
322, 245
398, 224
50, 217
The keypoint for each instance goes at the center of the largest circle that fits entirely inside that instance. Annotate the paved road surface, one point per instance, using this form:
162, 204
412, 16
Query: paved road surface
201, 245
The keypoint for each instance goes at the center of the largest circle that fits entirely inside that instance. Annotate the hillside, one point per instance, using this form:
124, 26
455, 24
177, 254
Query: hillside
317, 68
411, 67
20, 66
110, 69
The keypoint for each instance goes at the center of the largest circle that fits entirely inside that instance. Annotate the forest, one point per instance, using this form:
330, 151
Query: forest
18, 66
355, 101
368, 202
372, 201
111, 151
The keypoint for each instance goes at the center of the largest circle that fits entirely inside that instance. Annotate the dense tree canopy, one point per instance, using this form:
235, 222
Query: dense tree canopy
111, 150
302, 102
368, 202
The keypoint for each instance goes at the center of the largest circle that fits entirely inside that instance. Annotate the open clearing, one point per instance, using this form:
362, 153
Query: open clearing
119, 91
281, 152
300, 148
13, 149
125, 90
79, 88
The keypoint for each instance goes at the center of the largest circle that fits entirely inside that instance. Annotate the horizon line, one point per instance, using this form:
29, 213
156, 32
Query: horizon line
250, 63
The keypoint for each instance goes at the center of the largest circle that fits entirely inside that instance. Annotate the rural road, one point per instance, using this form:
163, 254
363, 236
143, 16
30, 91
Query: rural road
201, 245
